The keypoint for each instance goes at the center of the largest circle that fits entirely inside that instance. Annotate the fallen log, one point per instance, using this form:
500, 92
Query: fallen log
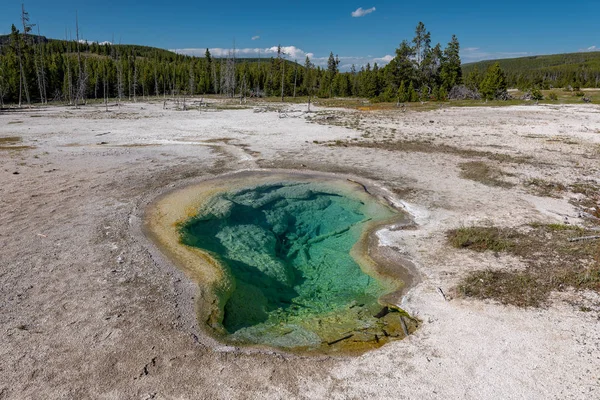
579, 239
340, 339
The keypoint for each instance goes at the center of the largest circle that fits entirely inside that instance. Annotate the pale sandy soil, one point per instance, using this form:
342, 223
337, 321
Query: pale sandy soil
90, 309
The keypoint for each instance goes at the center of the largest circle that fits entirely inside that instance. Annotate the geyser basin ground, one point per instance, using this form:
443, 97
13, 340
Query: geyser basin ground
282, 260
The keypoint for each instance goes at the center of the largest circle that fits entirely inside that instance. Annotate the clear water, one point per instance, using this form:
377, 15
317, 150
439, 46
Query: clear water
287, 247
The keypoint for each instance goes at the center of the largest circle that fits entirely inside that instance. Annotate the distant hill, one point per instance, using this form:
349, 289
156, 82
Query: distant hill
139, 51
5, 39
72, 72
556, 70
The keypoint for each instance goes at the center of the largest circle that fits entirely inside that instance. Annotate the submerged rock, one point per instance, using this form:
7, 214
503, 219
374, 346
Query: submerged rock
287, 249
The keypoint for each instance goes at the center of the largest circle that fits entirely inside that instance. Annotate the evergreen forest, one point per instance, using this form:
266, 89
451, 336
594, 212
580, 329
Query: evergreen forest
34, 69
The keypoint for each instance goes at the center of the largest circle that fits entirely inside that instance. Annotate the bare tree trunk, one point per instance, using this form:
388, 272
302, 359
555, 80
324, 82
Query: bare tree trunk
130, 77
26, 29
38, 61
96, 85
156, 82
68, 96
23, 80
173, 84
43, 69
20, 77
215, 80
282, 79
295, 78
192, 79
80, 85
134, 79
105, 84
119, 78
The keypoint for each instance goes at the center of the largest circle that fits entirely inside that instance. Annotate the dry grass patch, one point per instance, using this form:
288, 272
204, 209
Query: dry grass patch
590, 203
481, 172
544, 188
16, 148
10, 140
11, 143
481, 238
429, 147
553, 262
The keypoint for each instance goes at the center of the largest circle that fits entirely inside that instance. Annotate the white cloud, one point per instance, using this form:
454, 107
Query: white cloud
360, 12
255, 37
292, 53
83, 41
591, 48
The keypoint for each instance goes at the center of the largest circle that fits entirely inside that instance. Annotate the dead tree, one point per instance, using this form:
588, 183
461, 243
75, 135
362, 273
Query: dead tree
119, 76
280, 55
105, 85
192, 80
282, 80
295, 76
23, 80
462, 92
214, 76
135, 76
80, 93
164, 81
228, 78
39, 67
68, 97
156, 80
3, 84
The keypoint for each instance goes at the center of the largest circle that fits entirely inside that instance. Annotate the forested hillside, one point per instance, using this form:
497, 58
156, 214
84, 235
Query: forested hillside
36, 69
558, 70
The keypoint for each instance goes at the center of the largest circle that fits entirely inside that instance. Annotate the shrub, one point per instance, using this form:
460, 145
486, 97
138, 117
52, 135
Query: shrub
553, 96
462, 92
536, 94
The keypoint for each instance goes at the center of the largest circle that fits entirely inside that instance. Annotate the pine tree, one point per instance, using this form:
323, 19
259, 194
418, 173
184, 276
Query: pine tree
473, 79
493, 86
404, 70
412, 93
451, 71
402, 93
422, 41
332, 71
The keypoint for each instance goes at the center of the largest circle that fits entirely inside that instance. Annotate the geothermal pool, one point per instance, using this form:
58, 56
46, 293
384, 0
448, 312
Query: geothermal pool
294, 267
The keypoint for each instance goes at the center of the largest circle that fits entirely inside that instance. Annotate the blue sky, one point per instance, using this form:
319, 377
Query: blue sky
486, 30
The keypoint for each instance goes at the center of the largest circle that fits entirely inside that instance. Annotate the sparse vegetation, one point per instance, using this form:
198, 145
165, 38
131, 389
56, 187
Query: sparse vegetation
544, 188
481, 172
429, 147
557, 70
481, 238
536, 94
590, 202
12, 143
10, 140
553, 263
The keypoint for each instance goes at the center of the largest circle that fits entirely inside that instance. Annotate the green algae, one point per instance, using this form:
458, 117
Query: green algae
287, 248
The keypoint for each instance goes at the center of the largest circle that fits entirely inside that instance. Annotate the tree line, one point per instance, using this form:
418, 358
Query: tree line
577, 70
34, 69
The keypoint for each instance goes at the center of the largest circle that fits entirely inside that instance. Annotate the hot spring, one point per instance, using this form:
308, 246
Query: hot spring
292, 263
